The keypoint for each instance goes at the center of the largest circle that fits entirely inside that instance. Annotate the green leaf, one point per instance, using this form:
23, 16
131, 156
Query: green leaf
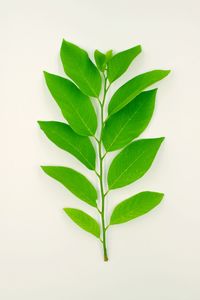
100, 60
80, 69
120, 62
109, 55
128, 123
135, 206
84, 221
76, 107
65, 138
134, 87
75, 182
132, 162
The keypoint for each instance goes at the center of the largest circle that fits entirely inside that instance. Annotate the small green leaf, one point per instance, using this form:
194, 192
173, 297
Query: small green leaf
76, 107
135, 206
75, 182
132, 162
65, 138
84, 221
100, 60
128, 123
109, 55
80, 69
120, 62
134, 87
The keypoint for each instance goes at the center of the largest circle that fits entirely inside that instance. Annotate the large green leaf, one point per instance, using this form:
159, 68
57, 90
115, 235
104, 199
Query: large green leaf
65, 138
132, 162
75, 106
120, 62
75, 182
84, 221
80, 69
135, 206
134, 87
128, 123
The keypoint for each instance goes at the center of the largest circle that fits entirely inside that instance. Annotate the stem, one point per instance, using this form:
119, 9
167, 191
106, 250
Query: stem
101, 173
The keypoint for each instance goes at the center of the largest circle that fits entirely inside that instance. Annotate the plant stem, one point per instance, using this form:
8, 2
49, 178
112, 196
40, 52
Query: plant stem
101, 172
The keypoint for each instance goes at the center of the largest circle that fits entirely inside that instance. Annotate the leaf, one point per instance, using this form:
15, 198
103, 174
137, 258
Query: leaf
134, 87
65, 138
76, 107
101, 59
135, 206
84, 221
80, 69
121, 61
75, 182
109, 55
128, 123
132, 162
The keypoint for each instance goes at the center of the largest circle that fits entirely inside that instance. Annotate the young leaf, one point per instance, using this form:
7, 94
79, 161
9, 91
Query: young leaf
128, 123
84, 221
75, 106
75, 182
120, 62
132, 162
80, 69
100, 60
134, 87
135, 206
65, 138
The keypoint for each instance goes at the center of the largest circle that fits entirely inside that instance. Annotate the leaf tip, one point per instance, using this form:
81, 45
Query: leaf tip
139, 47
167, 72
44, 168
160, 140
46, 74
162, 195
40, 123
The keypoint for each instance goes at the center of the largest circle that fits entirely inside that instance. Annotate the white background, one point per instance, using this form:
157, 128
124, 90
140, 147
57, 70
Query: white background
43, 255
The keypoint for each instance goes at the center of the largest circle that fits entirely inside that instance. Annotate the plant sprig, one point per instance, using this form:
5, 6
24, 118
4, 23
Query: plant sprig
129, 112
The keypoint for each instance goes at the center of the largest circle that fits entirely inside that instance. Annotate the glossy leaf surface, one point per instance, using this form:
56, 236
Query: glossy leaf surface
84, 221
132, 162
65, 138
120, 62
135, 206
80, 69
75, 182
128, 123
134, 87
76, 107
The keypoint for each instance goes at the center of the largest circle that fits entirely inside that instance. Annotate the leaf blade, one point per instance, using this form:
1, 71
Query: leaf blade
132, 162
65, 138
74, 181
135, 206
120, 62
134, 87
83, 220
76, 107
100, 60
128, 123
78, 66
